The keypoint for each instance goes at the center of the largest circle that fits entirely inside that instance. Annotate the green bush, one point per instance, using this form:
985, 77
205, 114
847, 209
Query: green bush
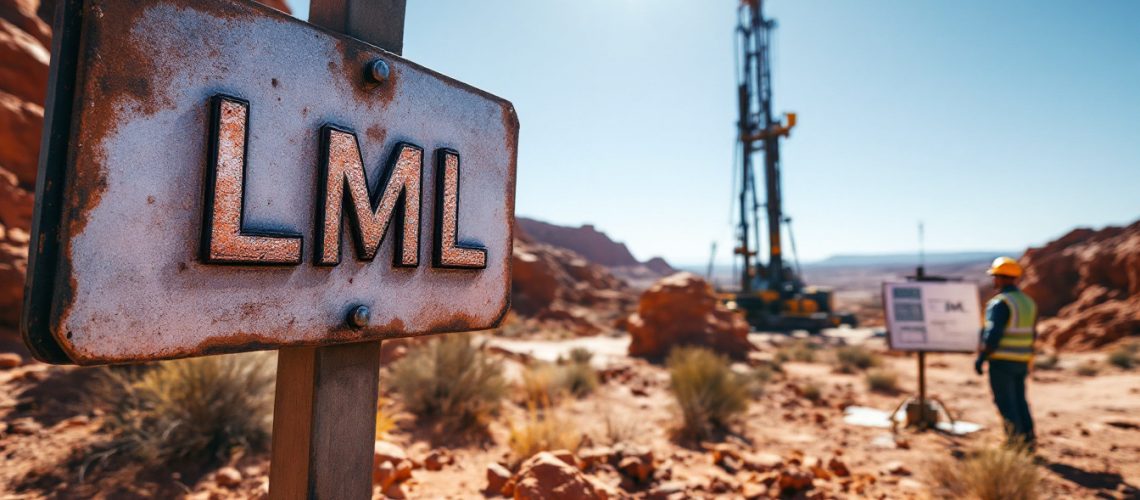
883, 380
854, 358
450, 379
707, 390
1005, 473
201, 409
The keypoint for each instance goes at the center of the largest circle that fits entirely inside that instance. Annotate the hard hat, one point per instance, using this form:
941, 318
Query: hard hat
1005, 266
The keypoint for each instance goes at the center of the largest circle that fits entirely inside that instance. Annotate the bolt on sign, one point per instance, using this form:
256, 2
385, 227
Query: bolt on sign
220, 177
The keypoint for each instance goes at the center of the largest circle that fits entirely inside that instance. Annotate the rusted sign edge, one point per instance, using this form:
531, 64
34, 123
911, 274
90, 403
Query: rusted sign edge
46, 291
43, 252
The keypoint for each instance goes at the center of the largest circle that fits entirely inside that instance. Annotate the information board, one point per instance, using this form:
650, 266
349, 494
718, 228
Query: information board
932, 316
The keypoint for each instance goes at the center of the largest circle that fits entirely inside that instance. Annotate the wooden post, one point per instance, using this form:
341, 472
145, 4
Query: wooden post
923, 418
324, 411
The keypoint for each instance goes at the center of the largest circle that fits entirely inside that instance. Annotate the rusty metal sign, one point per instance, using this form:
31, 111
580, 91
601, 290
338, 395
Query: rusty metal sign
219, 177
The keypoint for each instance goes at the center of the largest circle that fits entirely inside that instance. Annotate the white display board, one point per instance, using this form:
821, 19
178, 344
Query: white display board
932, 316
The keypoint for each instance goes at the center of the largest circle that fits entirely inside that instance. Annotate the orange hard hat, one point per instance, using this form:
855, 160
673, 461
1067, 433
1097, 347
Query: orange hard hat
1005, 266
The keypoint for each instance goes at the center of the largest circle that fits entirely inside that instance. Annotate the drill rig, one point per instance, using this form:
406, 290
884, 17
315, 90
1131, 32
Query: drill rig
772, 296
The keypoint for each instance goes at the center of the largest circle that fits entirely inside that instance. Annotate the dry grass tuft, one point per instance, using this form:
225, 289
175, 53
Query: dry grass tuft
618, 429
543, 430
810, 390
200, 409
1124, 356
1006, 473
707, 390
544, 384
450, 379
1046, 362
1088, 368
883, 380
850, 359
797, 350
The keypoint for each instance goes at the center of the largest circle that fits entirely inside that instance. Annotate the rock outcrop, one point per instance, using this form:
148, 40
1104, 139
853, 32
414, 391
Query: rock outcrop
560, 289
1087, 287
683, 310
25, 41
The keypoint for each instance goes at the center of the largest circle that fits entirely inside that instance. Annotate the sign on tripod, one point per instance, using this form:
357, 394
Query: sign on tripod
932, 316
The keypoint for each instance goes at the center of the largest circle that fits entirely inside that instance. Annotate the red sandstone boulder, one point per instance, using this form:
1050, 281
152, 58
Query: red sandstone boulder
682, 310
546, 476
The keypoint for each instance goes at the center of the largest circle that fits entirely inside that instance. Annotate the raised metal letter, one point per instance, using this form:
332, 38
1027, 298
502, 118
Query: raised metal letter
448, 252
399, 198
223, 239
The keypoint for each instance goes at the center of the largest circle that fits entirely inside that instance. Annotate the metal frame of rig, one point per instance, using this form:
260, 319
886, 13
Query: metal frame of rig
772, 297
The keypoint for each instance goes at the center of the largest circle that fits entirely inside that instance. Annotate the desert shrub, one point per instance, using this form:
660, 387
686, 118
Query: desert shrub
810, 390
545, 383
1046, 362
1088, 368
578, 379
201, 409
798, 350
617, 429
451, 379
707, 390
543, 431
540, 384
762, 374
1005, 473
853, 358
581, 355
1122, 357
882, 380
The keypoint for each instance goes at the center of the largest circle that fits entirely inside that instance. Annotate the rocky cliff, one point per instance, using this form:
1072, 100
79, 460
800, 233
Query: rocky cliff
1087, 287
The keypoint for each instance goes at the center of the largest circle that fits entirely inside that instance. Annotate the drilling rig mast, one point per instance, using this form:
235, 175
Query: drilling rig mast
772, 295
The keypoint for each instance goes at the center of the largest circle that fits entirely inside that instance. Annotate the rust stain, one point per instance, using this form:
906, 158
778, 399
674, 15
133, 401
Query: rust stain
375, 133
353, 66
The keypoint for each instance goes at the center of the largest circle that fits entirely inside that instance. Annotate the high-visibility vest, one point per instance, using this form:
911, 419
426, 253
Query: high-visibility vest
1017, 342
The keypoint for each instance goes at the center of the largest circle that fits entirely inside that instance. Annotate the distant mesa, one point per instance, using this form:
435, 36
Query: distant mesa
591, 244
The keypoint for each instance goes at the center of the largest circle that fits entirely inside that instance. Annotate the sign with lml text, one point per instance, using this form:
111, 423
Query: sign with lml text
932, 316
219, 177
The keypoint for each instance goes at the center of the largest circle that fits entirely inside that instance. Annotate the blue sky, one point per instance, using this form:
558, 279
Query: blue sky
998, 124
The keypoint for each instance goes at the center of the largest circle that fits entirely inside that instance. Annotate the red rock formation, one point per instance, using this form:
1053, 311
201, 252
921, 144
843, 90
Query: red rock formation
560, 288
682, 310
1087, 287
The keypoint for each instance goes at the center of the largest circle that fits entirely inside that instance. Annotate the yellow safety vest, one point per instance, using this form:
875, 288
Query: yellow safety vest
1017, 342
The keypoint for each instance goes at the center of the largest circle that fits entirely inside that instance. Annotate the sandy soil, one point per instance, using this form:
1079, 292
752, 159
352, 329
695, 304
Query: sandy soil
1089, 431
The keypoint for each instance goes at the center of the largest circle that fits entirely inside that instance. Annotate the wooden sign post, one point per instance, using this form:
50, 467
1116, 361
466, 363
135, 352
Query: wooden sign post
220, 177
323, 448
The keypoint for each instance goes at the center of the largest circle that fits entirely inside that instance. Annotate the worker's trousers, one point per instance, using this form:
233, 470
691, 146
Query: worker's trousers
1007, 379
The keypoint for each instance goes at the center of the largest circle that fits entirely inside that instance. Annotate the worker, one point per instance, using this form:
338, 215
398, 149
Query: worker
1007, 344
